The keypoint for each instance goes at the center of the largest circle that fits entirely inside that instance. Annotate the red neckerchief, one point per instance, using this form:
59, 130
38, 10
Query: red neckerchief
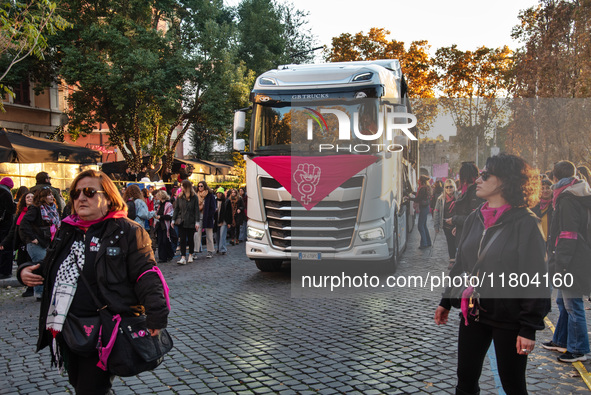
492, 215
21, 215
76, 221
451, 199
544, 204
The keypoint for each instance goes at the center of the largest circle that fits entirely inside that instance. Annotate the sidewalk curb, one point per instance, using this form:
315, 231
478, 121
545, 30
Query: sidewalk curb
10, 282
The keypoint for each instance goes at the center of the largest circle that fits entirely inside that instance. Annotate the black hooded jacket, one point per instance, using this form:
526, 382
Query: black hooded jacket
569, 245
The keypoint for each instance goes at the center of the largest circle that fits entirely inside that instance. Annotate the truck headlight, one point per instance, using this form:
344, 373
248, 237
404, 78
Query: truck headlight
254, 233
371, 234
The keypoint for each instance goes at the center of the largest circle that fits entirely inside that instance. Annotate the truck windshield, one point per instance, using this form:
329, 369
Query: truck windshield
288, 127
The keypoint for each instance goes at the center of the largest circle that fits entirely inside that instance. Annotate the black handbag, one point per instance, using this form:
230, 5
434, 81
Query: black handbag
81, 334
456, 293
125, 345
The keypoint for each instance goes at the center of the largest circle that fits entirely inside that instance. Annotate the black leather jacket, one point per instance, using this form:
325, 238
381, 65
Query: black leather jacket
124, 254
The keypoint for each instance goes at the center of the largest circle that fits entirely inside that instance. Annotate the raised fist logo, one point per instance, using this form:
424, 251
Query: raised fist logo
307, 177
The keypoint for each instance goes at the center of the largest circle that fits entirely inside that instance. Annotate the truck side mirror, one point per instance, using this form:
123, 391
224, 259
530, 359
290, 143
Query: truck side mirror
239, 124
239, 145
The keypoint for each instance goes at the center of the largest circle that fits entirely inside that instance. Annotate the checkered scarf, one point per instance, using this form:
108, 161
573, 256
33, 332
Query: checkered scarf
64, 288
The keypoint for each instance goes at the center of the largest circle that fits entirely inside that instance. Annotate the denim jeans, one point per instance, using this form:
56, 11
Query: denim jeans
571, 328
423, 230
222, 236
242, 233
37, 254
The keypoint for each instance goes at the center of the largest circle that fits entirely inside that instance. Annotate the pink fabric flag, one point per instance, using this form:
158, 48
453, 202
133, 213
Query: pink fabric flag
310, 179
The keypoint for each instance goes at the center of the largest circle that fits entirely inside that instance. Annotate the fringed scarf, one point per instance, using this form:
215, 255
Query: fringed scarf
50, 214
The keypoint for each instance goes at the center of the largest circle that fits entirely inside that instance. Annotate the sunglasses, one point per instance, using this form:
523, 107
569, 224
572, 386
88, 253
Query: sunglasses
88, 192
449, 187
485, 175
201, 186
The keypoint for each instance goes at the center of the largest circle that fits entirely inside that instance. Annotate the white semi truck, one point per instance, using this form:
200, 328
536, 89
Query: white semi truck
345, 130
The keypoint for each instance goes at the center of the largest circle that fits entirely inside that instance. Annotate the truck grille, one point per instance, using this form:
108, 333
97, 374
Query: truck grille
327, 227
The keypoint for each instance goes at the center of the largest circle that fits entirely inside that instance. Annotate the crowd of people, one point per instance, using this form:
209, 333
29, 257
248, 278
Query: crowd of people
505, 218
176, 217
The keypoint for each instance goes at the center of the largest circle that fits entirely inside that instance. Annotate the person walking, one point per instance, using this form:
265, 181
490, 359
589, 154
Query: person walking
221, 223
569, 248
234, 215
39, 226
134, 198
7, 210
500, 238
207, 206
164, 231
544, 209
244, 197
186, 217
13, 240
467, 200
444, 209
423, 199
115, 256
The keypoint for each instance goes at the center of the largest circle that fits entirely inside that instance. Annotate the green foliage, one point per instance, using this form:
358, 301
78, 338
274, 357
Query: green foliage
24, 26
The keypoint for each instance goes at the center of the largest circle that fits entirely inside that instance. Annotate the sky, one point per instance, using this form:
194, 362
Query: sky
467, 23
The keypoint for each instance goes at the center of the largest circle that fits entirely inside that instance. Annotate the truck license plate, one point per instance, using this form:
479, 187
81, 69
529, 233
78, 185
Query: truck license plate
310, 256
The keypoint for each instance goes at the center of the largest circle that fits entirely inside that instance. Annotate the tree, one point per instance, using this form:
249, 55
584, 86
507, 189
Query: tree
150, 71
552, 83
23, 30
272, 34
475, 87
415, 61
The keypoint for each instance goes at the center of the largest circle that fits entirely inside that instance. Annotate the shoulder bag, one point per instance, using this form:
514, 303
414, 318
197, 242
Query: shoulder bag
125, 345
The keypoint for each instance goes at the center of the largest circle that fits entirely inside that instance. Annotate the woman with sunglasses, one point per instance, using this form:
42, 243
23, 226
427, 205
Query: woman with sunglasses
444, 209
39, 226
501, 241
115, 258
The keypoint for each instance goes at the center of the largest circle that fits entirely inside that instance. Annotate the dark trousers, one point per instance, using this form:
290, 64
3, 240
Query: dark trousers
451, 242
473, 343
5, 257
86, 377
165, 251
186, 234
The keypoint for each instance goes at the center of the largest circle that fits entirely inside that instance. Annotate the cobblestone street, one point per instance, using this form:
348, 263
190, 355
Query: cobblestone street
238, 330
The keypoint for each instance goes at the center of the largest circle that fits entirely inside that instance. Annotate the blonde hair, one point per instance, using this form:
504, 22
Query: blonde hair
451, 182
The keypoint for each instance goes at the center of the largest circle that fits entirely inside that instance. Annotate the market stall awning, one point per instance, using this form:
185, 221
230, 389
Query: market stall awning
199, 166
18, 148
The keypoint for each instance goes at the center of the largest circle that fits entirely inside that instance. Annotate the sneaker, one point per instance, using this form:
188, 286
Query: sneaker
182, 261
190, 258
553, 346
572, 357
224, 253
209, 255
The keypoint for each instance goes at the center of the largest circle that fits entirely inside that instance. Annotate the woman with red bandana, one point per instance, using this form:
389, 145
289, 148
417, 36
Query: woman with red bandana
115, 257
501, 241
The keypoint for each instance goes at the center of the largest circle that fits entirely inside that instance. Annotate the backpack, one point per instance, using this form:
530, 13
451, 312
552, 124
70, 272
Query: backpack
131, 209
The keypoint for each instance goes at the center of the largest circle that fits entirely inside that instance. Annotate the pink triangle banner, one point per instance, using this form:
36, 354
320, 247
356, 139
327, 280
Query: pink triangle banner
309, 179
